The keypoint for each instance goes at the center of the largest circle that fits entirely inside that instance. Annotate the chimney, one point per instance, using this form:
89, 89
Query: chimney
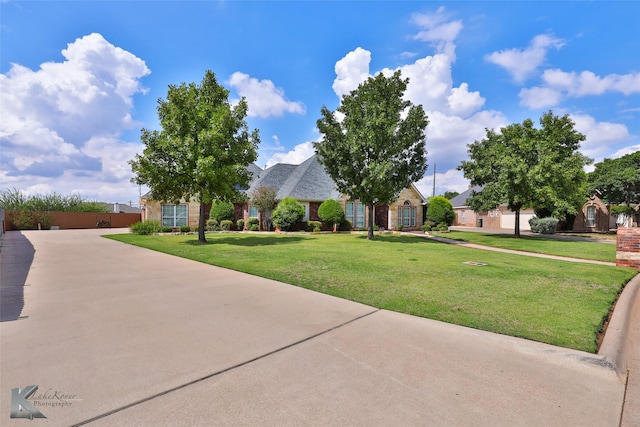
116, 207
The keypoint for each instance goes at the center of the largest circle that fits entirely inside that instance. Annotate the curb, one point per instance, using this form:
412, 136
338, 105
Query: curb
615, 346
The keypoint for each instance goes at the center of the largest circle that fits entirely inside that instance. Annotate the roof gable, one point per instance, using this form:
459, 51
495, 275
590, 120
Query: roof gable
461, 199
307, 181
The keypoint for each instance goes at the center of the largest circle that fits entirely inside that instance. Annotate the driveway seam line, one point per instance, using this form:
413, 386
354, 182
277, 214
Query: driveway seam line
222, 371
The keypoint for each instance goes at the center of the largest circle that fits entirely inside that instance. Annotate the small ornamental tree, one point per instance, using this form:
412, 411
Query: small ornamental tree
288, 213
330, 212
440, 210
265, 199
221, 211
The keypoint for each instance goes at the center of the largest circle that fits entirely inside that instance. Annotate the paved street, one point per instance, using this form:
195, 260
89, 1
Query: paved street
118, 335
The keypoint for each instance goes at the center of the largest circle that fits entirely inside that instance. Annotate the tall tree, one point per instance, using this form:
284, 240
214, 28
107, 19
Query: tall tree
617, 180
373, 146
203, 149
528, 167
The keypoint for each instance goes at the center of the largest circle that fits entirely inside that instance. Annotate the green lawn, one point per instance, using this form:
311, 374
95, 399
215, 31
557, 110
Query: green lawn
556, 302
544, 245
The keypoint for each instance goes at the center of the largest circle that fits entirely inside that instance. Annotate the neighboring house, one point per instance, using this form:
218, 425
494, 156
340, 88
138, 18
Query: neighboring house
310, 185
500, 217
594, 217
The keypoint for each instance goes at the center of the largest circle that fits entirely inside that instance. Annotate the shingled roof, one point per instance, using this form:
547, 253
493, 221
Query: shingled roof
461, 199
307, 181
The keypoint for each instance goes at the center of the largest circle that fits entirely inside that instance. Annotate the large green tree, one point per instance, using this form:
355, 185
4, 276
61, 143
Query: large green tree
373, 145
203, 149
529, 167
617, 181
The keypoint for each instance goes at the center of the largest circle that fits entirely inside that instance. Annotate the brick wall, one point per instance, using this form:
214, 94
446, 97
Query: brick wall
628, 247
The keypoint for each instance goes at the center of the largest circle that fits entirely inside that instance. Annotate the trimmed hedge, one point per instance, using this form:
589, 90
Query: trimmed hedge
543, 225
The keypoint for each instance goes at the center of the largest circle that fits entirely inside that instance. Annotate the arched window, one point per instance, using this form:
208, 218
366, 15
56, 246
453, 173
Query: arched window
407, 214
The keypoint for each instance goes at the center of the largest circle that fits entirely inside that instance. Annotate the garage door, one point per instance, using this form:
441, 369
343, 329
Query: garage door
508, 220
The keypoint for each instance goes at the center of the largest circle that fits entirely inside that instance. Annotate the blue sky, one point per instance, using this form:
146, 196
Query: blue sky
79, 79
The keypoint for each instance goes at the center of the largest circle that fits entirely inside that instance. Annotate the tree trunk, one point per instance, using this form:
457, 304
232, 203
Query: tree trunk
370, 232
201, 223
517, 232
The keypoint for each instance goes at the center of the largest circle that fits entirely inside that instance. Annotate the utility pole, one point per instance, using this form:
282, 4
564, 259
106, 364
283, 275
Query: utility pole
434, 180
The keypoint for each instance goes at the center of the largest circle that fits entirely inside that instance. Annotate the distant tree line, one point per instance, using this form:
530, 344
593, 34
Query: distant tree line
15, 200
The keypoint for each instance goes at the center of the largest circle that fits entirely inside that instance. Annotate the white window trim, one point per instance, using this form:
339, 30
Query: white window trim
305, 217
174, 217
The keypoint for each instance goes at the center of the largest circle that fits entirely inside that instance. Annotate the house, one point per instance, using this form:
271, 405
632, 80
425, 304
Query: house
500, 217
310, 185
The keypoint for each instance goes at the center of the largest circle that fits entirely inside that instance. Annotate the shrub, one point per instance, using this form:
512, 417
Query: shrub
288, 213
331, 213
221, 211
240, 224
250, 224
144, 228
376, 227
225, 225
314, 226
345, 226
167, 229
443, 227
399, 227
185, 228
425, 227
212, 225
440, 210
543, 225
29, 220
23, 220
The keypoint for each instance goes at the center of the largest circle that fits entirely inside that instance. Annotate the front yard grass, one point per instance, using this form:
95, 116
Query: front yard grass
598, 251
555, 302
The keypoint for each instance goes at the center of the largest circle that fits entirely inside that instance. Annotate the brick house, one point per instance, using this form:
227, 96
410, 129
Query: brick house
310, 185
500, 217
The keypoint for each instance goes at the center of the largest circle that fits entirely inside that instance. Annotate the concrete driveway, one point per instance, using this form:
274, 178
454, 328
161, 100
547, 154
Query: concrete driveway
117, 335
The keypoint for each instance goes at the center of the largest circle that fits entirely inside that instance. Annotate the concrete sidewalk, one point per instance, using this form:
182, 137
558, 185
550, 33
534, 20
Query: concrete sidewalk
135, 337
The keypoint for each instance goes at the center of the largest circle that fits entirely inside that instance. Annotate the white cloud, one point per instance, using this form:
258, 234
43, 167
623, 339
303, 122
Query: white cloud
299, 154
351, 70
53, 116
522, 63
462, 102
600, 136
587, 83
263, 97
450, 180
438, 30
538, 98
624, 151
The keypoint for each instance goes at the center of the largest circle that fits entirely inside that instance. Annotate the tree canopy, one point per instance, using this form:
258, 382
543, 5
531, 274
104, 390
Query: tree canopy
440, 210
330, 212
617, 181
373, 145
528, 167
203, 149
288, 213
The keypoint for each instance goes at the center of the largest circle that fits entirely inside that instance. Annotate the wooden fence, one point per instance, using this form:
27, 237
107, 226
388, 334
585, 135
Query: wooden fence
76, 220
